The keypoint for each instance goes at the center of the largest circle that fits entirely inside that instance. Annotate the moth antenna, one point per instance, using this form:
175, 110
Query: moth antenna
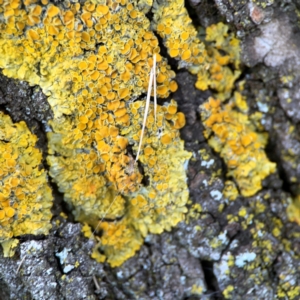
154, 86
145, 114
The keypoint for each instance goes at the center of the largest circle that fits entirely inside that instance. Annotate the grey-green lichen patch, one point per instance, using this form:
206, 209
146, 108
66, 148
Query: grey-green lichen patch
256, 251
203, 238
34, 272
252, 232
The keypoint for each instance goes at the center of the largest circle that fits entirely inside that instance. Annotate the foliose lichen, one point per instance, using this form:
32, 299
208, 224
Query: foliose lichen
216, 61
232, 134
25, 197
93, 61
209, 58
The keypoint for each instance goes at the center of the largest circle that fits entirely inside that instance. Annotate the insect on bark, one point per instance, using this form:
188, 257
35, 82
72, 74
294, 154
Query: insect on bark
152, 81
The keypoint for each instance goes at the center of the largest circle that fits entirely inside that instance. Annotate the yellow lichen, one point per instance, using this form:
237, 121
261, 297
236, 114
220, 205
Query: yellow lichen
9, 247
196, 290
93, 60
209, 59
25, 197
155, 208
230, 191
228, 291
231, 133
216, 61
293, 210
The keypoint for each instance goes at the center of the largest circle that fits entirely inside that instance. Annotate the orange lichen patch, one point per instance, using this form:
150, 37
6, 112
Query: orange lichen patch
14, 182
33, 34
25, 197
113, 105
102, 9
119, 240
145, 213
173, 86
177, 30
123, 93
162, 90
174, 52
179, 120
9, 212
133, 14
91, 90
166, 139
86, 17
122, 142
231, 133
83, 119
172, 108
204, 59
52, 11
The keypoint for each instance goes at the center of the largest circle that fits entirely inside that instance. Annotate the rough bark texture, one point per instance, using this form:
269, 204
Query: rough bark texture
197, 254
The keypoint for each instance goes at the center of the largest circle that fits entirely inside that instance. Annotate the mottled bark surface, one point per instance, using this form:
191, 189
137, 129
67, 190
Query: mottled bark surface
246, 250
